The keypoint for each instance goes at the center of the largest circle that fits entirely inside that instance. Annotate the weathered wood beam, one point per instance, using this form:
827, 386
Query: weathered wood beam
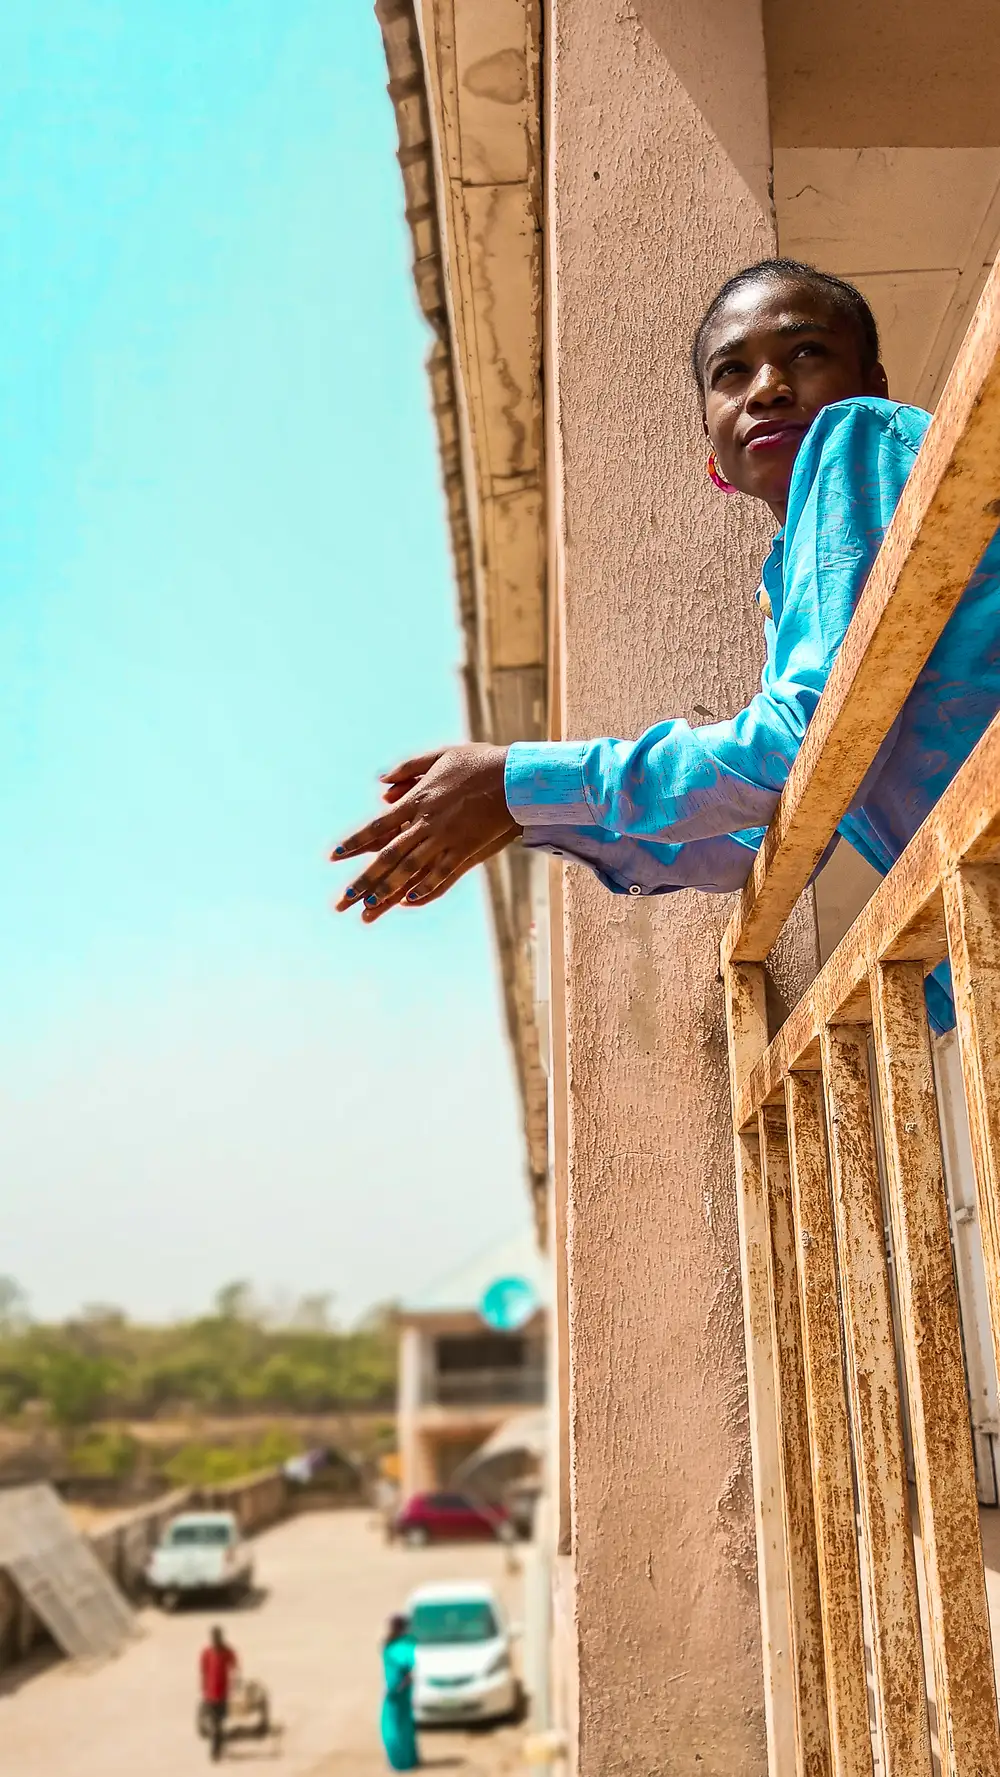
812, 1722
880, 1454
829, 1431
958, 1616
746, 1024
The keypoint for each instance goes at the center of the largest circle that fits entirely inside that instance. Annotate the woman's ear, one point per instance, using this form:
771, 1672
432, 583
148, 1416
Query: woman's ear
878, 382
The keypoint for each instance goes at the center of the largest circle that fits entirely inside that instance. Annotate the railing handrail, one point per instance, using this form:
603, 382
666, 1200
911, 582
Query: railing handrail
903, 921
468, 1371
523, 1382
945, 518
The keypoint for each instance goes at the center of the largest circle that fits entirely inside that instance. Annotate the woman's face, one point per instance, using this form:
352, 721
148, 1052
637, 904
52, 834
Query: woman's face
774, 355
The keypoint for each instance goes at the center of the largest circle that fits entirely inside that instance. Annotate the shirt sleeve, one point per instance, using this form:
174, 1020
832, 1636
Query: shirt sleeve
686, 784
644, 867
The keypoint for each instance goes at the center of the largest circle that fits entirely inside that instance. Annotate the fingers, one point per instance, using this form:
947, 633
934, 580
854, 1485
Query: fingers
396, 791
400, 780
378, 833
447, 813
396, 865
437, 880
413, 768
401, 895
405, 880
430, 880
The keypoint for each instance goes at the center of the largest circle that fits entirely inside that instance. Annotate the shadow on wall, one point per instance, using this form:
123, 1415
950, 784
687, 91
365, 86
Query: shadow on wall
715, 49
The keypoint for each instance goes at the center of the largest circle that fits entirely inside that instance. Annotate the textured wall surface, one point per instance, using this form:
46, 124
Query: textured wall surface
654, 584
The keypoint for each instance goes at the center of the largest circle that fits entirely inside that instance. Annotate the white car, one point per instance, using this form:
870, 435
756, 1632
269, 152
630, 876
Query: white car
200, 1552
465, 1669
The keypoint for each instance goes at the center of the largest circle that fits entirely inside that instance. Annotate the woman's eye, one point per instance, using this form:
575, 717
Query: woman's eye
726, 370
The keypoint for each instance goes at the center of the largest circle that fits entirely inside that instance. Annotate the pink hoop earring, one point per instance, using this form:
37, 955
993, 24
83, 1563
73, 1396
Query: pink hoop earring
716, 476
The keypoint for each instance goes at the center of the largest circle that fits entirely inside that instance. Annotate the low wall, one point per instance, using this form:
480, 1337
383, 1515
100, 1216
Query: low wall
123, 1549
257, 1500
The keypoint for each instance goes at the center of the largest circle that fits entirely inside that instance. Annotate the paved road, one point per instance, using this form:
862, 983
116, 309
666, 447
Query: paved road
329, 1583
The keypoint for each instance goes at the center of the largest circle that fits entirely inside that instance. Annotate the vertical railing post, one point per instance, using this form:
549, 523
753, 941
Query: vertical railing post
811, 1714
829, 1430
972, 913
746, 1018
883, 1490
932, 1346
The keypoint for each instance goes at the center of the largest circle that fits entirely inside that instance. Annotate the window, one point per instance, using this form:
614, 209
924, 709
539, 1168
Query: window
200, 1536
486, 1351
444, 1624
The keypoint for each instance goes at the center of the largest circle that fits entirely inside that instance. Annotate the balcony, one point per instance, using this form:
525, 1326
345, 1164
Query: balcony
510, 1387
832, 1112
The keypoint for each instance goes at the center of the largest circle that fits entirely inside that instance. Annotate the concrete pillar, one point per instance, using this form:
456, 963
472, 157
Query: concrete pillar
657, 189
409, 1400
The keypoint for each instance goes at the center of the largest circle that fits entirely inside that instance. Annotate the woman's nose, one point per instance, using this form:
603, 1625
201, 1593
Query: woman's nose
769, 387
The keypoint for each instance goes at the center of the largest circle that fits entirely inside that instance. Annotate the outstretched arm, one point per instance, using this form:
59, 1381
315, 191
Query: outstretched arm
676, 787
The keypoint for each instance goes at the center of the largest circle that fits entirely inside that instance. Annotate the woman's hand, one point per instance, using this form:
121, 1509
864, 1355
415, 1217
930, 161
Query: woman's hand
448, 813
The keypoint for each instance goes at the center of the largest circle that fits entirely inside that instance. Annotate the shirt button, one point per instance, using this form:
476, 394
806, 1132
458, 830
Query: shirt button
634, 889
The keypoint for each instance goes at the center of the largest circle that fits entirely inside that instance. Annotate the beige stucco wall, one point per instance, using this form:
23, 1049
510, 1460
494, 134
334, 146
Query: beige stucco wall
654, 575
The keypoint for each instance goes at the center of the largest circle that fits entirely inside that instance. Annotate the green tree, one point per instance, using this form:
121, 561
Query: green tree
72, 1385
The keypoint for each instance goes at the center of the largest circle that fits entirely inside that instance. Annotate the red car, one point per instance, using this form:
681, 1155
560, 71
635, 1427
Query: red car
451, 1517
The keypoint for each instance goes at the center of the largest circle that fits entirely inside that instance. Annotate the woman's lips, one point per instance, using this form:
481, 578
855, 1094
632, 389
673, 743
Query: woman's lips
775, 437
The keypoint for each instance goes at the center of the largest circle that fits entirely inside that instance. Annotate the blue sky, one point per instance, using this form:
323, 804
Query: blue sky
225, 603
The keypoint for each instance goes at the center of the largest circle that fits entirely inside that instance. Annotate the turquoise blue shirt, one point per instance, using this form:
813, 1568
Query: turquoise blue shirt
685, 807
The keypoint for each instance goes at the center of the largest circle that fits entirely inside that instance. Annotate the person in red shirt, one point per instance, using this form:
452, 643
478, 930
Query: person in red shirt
218, 1663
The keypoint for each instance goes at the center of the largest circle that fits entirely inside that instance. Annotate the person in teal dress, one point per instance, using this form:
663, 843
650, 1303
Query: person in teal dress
399, 1737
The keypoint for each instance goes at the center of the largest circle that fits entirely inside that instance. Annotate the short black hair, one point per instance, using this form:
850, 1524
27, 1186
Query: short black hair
837, 291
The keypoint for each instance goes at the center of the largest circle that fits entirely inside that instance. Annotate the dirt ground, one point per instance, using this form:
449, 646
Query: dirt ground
327, 1583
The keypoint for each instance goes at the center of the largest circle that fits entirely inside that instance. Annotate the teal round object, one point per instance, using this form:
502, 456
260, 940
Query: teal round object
508, 1304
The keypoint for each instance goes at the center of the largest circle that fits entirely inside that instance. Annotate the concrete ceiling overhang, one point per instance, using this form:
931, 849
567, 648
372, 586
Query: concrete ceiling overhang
899, 73
886, 130
464, 79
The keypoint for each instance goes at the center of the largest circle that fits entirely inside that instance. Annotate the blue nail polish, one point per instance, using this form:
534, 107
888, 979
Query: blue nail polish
371, 900
413, 895
338, 851
350, 894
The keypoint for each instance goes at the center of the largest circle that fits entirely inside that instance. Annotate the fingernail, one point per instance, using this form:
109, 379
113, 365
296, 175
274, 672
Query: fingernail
350, 894
371, 900
413, 895
338, 851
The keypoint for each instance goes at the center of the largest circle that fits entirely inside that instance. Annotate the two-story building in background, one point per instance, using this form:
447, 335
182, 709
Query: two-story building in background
461, 1381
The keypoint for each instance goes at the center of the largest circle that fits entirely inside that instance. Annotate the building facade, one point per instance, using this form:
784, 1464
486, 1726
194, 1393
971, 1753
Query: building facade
579, 180
460, 1380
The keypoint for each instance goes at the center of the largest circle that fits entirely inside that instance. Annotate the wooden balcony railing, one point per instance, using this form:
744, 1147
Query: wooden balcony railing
834, 1534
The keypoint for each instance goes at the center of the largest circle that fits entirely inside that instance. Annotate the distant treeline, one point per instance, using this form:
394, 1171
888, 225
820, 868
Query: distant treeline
237, 1358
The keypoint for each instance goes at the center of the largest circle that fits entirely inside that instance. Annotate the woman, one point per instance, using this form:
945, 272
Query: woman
398, 1733
795, 408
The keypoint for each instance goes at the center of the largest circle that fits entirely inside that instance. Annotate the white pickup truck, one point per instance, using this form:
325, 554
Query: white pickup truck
200, 1552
